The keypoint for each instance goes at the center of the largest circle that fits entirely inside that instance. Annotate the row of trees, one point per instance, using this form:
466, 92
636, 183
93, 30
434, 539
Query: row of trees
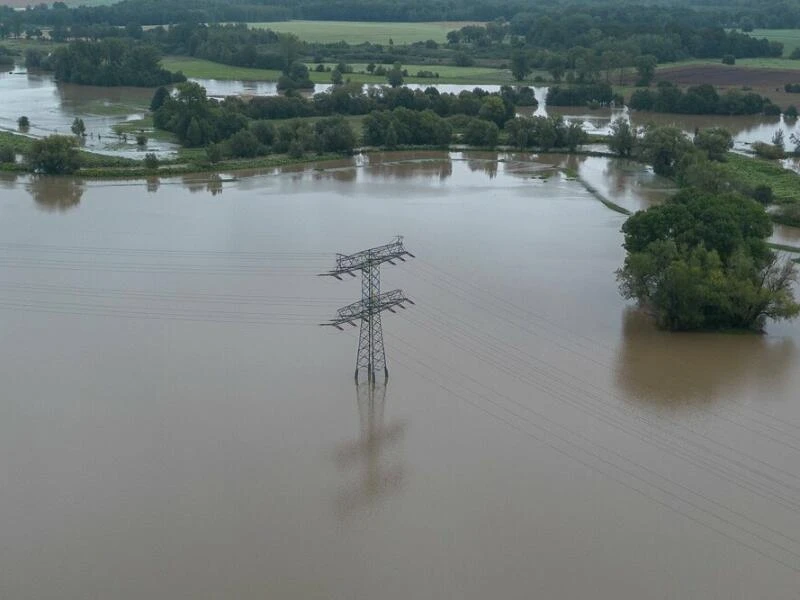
198, 120
582, 95
110, 62
701, 100
701, 261
394, 117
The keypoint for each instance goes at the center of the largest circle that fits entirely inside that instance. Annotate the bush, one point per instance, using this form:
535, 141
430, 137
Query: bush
768, 151
7, 155
54, 155
141, 139
790, 112
243, 144
150, 161
23, 122
214, 153
762, 194
729, 59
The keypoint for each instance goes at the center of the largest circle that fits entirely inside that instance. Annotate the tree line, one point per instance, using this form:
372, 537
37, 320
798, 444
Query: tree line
393, 117
110, 62
743, 14
701, 100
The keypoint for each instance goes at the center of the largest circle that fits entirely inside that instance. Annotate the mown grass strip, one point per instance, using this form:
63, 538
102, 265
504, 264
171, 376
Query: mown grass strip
206, 69
357, 32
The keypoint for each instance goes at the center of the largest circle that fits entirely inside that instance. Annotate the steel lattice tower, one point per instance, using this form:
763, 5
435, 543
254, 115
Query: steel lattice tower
371, 357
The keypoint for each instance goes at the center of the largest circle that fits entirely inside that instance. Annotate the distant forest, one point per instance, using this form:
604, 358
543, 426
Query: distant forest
623, 14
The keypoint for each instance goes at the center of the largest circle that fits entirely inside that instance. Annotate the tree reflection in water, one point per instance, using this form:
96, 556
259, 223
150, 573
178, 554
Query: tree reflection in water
682, 371
153, 183
214, 184
376, 480
55, 193
8, 180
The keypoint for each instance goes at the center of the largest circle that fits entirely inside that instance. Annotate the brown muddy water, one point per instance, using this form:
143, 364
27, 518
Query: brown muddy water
174, 424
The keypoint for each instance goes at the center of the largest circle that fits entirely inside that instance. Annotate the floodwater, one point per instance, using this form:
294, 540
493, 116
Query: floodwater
52, 108
175, 424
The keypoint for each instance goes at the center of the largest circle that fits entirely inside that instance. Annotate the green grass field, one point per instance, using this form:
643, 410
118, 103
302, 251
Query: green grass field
790, 38
206, 69
356, 32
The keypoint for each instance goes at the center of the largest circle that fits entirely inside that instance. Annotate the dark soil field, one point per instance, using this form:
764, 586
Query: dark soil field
765, 81
723, 76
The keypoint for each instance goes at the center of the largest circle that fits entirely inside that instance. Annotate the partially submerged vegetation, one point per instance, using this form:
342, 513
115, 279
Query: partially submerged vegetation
701, 262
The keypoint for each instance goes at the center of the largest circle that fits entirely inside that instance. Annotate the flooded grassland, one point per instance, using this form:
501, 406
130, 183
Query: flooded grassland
176, 424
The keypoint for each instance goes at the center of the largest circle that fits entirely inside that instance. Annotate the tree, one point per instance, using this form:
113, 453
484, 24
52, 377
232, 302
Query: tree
151, 161
78, 127
334, 135
23, 123
159, 97
520, 67
493, 109
7, 155
716, 141
663, 147
33, 58
481, 133
214, 153
391, 137
622, 139
243, 144
779, 139
700, 261
336, 77
556, 66
395, 75
646, 69
194, 135
54, 155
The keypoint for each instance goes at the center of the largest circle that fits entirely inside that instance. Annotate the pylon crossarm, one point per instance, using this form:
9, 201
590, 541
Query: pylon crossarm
368, 306
349, 264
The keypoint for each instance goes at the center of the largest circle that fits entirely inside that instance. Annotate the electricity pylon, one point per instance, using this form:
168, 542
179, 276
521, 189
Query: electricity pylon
371, 357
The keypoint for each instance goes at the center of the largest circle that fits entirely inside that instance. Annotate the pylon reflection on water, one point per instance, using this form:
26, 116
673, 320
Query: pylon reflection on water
376, 480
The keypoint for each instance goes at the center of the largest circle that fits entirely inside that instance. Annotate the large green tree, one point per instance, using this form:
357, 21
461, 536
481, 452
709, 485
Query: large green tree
54, 155
701, 261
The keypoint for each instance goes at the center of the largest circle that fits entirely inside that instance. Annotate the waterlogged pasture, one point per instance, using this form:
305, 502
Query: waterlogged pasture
169, 398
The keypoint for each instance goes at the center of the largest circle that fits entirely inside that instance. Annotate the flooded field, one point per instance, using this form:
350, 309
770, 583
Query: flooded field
52, 108
176, 424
